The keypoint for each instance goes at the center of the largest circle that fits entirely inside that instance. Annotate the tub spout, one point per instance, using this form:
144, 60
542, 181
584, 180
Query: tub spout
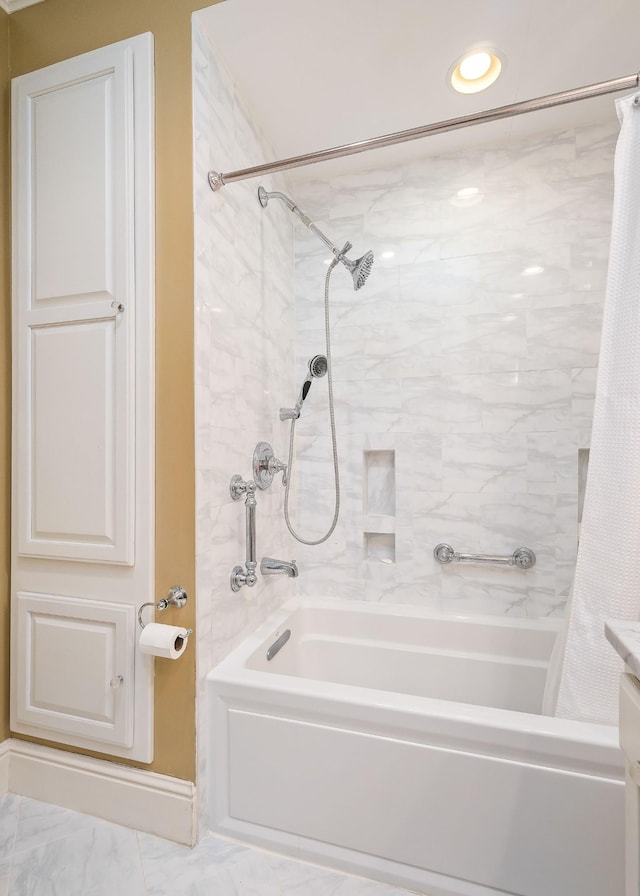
271, 567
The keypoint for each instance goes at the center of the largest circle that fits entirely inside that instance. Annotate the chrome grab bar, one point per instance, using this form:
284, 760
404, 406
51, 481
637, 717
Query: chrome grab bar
522, 558
247, 576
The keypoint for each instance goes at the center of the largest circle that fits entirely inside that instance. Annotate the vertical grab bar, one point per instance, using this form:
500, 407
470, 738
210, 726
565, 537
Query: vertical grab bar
246, 576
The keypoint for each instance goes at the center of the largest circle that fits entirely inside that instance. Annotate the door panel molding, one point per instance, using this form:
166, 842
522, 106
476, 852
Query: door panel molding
84, 397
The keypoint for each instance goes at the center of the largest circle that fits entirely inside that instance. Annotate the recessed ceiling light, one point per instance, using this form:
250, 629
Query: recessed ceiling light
388, 254
533, 270
475, 66
475, 71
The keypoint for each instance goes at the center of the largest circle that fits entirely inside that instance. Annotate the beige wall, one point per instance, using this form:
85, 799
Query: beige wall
5, 375
41, 35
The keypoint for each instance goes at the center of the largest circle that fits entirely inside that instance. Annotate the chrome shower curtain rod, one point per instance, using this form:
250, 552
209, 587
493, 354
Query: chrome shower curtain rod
218, 179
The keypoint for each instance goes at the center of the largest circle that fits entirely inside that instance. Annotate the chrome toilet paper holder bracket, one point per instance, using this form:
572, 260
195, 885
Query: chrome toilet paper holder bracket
176, 597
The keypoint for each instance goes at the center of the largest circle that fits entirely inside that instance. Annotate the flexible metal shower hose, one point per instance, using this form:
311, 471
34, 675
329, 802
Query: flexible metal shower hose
336, 472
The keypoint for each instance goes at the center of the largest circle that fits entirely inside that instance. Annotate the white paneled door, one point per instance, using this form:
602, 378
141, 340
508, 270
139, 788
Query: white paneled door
83, 398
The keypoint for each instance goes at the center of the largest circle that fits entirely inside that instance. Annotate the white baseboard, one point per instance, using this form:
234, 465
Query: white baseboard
136, 798
4, 767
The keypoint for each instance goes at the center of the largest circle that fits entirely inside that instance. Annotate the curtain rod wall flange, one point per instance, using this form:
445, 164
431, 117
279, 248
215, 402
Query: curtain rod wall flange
218, 179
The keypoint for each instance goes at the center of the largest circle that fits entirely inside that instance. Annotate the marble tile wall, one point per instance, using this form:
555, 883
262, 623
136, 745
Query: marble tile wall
471, 353
244, 349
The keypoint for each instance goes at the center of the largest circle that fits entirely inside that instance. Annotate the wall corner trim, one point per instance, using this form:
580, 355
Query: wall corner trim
15, 5
137, 798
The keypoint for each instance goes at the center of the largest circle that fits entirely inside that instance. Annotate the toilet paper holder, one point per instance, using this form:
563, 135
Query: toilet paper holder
176, 597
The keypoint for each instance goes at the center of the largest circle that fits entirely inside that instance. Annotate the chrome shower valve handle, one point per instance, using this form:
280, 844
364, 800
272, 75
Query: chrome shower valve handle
266, 465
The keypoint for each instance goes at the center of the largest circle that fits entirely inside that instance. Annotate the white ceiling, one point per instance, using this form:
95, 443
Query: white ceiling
320, 74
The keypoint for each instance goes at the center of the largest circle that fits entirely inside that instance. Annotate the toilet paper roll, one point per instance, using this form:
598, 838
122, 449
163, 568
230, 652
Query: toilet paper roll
169, 641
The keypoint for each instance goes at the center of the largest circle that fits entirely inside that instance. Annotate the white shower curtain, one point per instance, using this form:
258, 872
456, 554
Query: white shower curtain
583, 679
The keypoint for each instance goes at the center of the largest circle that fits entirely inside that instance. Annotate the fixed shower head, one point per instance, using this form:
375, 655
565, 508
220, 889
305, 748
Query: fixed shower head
359, 269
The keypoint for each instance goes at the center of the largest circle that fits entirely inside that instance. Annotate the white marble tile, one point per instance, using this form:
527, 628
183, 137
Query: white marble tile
418, 466
400, 349
550, 158
567, 513
301, 879
583, 392
452, 518
482, 343
578, 207
528, 401
5, 871
484, 463
9, 811
39, 823
427, 290
442, 404
530, 276
169, 868
493, 225
252, 875
545, 603
595, 147
97, 861
444, 175
547, 331
566, 553
519, 519
463, 592
589, 264
542, 449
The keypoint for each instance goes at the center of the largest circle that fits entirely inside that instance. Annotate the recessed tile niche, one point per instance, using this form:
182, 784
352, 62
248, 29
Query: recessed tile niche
380, 483
380, 547
379, 506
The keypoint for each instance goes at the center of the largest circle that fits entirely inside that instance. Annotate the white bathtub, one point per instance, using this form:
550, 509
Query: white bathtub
408, 747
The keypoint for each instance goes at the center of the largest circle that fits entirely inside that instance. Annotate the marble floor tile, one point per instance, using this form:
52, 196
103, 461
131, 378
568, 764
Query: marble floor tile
9, 808
5, 870
40, 823
63, 853
171, 868
99, 861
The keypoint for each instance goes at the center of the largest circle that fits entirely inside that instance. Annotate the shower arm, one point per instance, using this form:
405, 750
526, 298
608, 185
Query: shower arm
264, 198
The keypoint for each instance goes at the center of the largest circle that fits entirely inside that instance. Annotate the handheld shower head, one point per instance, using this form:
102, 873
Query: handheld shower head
318, 367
